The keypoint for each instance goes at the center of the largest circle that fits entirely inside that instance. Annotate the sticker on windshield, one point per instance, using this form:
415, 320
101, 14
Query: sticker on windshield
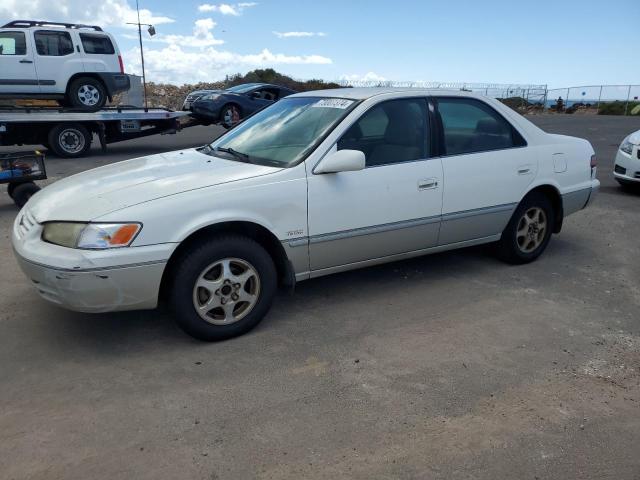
341, 103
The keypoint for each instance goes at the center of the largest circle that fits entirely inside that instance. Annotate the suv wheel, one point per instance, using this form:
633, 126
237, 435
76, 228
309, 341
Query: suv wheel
529, 230
87, 93
70, 140
222, 288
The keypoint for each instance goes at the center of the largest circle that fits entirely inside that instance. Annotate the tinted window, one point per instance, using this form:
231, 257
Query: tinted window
96, 44
53, 43
391, 132
12, 43
472, 126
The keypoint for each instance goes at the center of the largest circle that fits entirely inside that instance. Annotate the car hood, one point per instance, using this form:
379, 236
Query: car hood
107, 189
634, 138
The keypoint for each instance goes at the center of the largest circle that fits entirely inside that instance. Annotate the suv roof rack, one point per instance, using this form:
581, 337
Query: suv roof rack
40, 23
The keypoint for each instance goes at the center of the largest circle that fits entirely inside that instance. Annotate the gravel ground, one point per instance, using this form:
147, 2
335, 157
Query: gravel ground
451, 366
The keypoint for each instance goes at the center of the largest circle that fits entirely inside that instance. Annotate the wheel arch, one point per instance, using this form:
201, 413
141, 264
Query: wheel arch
255, 231
229, 103
553, 194
92, 75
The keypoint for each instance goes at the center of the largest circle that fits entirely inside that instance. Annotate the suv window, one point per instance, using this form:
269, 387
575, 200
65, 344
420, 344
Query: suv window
13, 43
96, 44
470, 125
391, 132
55, 44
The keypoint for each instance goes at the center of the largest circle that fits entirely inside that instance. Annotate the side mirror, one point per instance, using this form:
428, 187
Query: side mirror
342, 161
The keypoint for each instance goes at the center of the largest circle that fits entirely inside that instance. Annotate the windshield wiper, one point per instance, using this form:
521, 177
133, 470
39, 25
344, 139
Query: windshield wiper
242, 156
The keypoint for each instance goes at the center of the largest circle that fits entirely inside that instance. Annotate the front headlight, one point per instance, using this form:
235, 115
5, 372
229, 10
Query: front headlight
91, 236
626, 146
213, 96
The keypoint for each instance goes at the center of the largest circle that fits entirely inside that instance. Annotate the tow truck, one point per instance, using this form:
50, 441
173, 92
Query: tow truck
70, 132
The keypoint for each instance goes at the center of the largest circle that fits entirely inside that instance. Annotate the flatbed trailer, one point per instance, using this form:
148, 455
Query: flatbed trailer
69, 133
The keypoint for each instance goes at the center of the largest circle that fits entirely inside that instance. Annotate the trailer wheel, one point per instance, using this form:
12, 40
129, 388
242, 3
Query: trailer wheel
22, 192
70, 140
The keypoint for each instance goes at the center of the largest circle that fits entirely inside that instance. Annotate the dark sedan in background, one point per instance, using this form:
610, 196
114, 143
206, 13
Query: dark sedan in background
229, 106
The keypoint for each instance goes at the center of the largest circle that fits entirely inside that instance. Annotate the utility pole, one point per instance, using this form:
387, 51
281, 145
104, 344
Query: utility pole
152, 32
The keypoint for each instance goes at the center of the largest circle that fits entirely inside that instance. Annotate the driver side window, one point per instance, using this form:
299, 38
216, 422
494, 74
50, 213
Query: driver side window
390, 132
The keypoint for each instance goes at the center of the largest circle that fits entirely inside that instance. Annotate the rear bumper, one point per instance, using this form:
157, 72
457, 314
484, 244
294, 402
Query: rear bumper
115, 82
579, 199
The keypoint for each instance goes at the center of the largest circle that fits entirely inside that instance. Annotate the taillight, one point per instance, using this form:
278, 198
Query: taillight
594, 164
121, 64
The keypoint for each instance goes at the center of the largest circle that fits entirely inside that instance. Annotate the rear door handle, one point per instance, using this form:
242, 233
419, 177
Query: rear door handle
26, 61
427, 183
524, 169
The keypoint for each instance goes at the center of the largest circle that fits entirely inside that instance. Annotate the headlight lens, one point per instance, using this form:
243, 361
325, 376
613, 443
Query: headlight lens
627, 146
213, 96
92, 236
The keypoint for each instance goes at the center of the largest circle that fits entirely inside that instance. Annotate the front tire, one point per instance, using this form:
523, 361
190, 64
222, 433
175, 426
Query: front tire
86, 93
528, 232
222, 288
22, 192
229, 115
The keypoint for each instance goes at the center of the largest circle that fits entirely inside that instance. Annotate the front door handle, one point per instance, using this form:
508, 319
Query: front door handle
427, 183
26, 61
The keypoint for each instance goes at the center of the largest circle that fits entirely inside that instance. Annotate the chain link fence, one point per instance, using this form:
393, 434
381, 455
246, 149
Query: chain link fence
603, 99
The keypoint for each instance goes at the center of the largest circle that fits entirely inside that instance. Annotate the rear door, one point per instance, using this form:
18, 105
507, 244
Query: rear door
486, 165
17, 68
57, 58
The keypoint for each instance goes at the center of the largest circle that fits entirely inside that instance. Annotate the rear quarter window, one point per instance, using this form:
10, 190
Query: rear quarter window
97, 44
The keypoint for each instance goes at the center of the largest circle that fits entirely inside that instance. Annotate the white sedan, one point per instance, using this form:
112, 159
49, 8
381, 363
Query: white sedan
318, 183
627, 164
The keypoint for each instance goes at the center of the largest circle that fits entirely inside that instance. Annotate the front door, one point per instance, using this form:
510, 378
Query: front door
391, 207
17, 70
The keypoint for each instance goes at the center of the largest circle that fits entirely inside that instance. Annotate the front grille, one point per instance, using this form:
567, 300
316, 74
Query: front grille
26, 224
620, 170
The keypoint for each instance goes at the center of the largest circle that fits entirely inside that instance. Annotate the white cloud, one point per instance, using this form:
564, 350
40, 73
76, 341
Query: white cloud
226, 8
94, 12
299, 34
177, 65
367, 77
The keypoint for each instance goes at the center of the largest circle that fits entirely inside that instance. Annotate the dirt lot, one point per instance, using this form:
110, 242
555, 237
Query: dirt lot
452, 366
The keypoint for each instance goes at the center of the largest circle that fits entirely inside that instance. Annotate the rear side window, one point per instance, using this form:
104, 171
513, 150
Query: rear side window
470, 126
391, 132
53, 44
96, 44
13, 43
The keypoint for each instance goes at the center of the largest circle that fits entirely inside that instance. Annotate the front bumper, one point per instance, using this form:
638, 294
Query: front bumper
89, 280
627, 167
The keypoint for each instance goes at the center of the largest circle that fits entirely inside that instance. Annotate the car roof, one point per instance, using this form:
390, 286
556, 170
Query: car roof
362, 93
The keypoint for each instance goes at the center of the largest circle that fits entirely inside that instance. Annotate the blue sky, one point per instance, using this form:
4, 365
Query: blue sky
558, 43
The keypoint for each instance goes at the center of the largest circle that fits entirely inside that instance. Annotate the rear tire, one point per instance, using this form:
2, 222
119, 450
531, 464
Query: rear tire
528, 232
86, 93
222, 287
70, 140
22, 192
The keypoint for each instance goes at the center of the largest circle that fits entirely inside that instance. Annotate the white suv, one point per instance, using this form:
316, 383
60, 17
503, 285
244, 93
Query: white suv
79, 65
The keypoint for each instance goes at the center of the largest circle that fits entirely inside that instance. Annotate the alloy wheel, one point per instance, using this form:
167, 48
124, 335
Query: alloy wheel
89, 95
226, 291
532, 228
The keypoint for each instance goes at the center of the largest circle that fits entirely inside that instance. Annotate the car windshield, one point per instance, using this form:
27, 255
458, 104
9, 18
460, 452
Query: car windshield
242, 88
283, 134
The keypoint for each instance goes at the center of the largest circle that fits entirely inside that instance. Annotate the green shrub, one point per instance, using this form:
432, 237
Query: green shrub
617, 108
